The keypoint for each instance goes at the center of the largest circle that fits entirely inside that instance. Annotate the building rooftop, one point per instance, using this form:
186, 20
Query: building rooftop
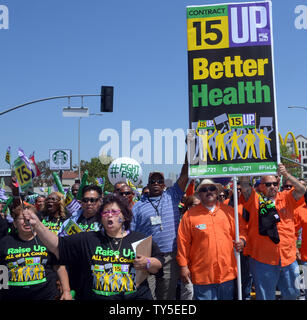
70, 175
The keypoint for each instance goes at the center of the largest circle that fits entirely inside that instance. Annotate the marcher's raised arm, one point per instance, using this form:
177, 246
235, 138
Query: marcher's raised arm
184, 175
246, 187
299, 189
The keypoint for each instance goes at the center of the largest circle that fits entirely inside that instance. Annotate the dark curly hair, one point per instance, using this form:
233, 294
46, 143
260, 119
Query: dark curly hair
123, 205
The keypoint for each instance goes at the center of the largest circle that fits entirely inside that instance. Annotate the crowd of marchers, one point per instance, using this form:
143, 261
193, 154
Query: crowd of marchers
189, 237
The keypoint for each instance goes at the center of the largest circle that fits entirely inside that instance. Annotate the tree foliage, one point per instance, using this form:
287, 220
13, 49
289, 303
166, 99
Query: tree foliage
97, 170
294, 169
46, 178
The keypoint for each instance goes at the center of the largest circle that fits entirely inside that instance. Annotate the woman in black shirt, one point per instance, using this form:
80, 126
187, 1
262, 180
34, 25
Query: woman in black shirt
106, 258
31, 267
54, 213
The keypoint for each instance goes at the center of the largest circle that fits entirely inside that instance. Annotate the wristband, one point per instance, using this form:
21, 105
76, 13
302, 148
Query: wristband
148, 264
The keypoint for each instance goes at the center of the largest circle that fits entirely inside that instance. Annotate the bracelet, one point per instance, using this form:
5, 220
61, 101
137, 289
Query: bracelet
148, 264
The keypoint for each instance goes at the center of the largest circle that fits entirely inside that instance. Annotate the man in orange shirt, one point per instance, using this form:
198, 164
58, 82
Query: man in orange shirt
271, 241
300, 220
205, 242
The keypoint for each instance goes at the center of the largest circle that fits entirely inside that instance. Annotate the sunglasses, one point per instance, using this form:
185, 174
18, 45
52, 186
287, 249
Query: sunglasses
206, 189
126, 193
159, 181
287, 186
91, 200
114, 213
268, 184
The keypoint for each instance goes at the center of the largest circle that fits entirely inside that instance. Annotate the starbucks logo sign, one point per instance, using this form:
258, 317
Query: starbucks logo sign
60, 159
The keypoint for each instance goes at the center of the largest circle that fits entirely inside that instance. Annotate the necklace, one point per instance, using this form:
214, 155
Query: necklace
116, 243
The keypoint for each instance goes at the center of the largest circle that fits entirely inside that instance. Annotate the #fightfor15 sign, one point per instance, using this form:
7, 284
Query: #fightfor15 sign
232, 110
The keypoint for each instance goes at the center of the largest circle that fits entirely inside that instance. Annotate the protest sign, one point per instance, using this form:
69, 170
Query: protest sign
23, 174
232, 110
122, 169
72, 228
71, 204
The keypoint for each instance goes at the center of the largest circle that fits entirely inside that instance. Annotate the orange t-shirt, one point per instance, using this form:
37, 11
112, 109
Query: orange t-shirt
300, 219
205, 244
262, 248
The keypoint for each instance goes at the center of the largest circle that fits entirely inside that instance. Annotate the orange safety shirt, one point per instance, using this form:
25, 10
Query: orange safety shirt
262, 248
205, 244
300, 219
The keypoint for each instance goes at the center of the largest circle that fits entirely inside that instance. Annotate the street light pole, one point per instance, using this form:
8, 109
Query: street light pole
292, 107
45, 99
79, 143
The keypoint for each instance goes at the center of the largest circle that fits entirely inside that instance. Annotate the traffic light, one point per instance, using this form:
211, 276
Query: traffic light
106, 102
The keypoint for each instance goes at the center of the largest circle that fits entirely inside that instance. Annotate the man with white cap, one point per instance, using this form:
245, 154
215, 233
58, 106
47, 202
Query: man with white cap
206, 239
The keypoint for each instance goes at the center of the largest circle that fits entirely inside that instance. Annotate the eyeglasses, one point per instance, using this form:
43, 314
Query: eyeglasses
114, 213
268, 184
287, 186
159, 181
206, 189
91, 200
126, 193
222, 196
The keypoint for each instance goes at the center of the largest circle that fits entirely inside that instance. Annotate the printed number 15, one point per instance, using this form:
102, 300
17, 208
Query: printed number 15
209, 30
24, 176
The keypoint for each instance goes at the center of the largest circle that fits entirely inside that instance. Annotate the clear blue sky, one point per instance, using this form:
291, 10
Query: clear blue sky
140, 47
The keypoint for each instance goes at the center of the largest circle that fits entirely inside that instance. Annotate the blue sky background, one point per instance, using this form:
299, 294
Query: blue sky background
140, 47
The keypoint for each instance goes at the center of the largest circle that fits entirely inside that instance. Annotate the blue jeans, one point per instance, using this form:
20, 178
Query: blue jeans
246, 277
267, 278
221, 291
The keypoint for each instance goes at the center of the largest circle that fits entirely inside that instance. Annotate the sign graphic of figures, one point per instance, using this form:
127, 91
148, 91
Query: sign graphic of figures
232, 112
60, 159
122, 169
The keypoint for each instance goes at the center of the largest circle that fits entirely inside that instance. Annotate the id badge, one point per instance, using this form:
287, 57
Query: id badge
155, 220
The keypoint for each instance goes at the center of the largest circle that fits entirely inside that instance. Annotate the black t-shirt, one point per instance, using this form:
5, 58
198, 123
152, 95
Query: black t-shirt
31, 275
89, 224
86, 224
105, 273
52, 223
3, 227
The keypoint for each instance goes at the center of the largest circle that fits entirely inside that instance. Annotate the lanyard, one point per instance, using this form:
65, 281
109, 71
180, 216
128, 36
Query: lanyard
157, 206
156, 220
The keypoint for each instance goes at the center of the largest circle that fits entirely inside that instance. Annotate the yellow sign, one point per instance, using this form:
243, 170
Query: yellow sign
236, 121
283, 142
23, 174
72, 228
208, 33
